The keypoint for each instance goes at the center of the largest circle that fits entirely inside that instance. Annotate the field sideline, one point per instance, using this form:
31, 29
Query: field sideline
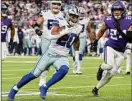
71, 88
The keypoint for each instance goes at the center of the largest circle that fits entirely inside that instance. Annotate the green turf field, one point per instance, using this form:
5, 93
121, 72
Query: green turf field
71, 88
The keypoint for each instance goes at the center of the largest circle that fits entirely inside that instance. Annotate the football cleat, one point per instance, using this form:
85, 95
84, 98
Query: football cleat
128, 73
99, 73
43, 91
79, 72
12, 94
95, 92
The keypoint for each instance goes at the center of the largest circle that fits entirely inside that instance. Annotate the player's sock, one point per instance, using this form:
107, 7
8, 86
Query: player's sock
76, 60
74, 68
75, 65
105, 79
79, 64
58, 75
79, 68
25, 79
42, 80
76, 56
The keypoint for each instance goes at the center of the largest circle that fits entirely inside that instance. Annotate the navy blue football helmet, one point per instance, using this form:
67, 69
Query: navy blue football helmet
118, 5
4, 9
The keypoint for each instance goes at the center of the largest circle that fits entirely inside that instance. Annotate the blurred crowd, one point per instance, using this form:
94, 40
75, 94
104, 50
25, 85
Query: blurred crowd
24, 14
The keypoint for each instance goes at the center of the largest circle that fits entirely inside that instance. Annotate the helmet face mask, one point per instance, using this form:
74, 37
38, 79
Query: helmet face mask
56, 6
71, 14
73, 18
82, 12
117, 14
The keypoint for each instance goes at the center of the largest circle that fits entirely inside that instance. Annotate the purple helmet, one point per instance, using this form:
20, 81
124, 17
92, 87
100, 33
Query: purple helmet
118, 5
4, 10
129, 7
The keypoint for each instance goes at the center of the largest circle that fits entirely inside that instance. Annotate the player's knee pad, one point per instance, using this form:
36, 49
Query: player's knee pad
63, 69
80, 57
37, 72
105, 66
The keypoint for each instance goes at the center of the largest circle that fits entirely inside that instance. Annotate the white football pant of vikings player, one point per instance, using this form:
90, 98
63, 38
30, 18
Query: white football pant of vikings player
4, 50
128, 58
49, 17
113, 61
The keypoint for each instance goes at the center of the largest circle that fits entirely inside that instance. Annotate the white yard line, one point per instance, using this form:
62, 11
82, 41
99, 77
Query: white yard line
19, 61
88, 76
36, 57
6, 70
33, 62
37, 93
29, 93
7, 74
16, 70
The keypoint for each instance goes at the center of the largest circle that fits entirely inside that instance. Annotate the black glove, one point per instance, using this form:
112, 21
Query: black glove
126, 37
94, 45
10, 43
38, 32
36, 27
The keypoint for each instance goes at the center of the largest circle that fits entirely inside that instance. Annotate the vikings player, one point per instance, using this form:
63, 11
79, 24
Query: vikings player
120, 32
6, 23
64, 34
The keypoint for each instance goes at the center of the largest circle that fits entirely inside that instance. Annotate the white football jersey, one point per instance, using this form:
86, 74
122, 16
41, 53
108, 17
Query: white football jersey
84, 23
61, 45
49, 18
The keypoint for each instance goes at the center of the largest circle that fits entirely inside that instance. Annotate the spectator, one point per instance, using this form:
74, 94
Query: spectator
20, 37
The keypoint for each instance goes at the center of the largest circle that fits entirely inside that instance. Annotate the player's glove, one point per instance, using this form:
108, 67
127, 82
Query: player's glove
127, 35
38, 31
36, 27
94, 45
10, 43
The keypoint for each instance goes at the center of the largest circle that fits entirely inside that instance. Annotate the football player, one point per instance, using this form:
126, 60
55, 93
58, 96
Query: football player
86, 31
63, 34
128, 58
6, 23
46, 19
119, 35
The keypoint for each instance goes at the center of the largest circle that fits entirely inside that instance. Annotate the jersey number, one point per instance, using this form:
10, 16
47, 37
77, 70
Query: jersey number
50, 23
115, 35
83, 28
3, 29
66, 40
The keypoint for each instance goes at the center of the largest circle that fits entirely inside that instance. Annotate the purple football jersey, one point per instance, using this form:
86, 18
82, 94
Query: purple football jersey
116, 41
5, 23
